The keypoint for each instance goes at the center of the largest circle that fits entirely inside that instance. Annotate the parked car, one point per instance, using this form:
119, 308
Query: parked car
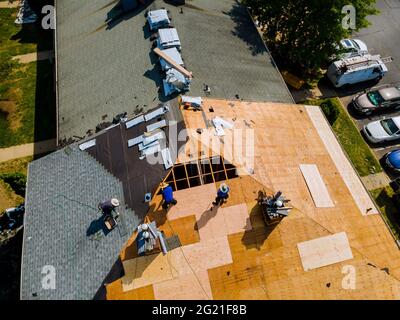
383, 130
350, 48
392, 160
375, 100
356, 69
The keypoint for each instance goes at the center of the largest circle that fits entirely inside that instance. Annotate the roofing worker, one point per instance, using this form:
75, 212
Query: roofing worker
108, 206
222, 194
168, 195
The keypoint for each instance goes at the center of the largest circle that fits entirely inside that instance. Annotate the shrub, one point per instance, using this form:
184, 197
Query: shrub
330, 110
17, 182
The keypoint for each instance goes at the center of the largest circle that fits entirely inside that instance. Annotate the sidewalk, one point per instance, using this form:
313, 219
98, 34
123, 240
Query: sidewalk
8, 4
26, 150
376, 181
34, 56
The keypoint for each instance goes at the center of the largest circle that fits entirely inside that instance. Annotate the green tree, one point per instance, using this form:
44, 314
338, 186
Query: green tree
303, 33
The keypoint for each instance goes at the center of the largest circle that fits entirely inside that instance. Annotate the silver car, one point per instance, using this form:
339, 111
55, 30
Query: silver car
383, 130
377, 100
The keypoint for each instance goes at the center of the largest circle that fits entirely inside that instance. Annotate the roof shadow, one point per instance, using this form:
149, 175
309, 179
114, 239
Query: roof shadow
96, 226
255, 238
245, 30
118, 14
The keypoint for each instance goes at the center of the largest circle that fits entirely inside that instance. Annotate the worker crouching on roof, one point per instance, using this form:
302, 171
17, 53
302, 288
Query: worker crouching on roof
168, 195
108, 206
222, 194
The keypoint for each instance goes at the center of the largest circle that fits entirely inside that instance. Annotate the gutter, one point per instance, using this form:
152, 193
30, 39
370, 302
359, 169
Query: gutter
24, 235
56, 73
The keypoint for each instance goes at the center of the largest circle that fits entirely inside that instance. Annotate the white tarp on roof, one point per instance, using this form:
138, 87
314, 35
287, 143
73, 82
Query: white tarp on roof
157, 18
192, 100
168, 38
174, 54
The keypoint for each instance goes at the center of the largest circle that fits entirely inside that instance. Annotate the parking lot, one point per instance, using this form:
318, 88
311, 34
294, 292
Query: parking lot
382, 37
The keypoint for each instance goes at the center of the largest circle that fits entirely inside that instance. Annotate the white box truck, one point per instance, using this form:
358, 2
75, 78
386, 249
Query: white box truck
357, 69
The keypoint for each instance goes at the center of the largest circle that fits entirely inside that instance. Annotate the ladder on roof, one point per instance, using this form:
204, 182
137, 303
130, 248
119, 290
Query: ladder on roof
369, 61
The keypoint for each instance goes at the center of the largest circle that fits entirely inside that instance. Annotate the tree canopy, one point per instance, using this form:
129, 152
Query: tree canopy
304, 33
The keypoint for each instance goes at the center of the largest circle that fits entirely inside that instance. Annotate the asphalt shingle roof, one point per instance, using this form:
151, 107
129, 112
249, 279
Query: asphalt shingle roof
63, 227
106, 69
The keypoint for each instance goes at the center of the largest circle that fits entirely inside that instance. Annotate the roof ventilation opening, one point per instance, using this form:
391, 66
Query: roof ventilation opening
200, 172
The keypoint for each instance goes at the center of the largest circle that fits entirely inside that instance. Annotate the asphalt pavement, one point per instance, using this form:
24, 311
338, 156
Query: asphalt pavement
382, 37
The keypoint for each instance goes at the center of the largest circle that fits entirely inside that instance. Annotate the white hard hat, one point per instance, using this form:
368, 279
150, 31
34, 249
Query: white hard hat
145, 226
115, 202
146, 235
279, 203
223, 187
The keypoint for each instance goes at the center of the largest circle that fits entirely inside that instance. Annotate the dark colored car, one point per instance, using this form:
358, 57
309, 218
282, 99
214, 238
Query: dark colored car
374, 100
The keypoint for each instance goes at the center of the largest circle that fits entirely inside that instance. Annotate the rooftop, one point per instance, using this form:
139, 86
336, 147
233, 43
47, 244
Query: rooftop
105, 64
333, 228
63, 226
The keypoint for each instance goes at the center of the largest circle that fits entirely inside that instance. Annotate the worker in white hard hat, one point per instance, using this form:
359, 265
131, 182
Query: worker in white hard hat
279, 203
108, 206
222, 194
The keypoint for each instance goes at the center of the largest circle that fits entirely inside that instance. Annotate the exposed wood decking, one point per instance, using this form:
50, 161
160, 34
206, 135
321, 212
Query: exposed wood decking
230, 253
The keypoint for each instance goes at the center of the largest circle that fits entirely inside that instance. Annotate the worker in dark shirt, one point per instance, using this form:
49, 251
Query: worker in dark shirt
222, 194
108, 206
168, 195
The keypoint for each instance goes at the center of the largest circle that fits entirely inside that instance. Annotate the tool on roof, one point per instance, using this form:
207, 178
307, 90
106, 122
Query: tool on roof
273, 206
110, 215
190, 102
150, 239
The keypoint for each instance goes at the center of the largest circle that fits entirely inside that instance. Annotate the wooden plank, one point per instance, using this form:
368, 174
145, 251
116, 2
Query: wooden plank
324, 251
316, 186
173, 64
342, 163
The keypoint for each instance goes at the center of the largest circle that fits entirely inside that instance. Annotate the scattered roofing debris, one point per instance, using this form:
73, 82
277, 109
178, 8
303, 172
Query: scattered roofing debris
175, 82
25, 14
220, 124
158, 19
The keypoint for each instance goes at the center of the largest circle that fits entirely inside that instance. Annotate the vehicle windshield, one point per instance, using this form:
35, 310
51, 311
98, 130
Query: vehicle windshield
355, 44
348, 43
375, 98
389, 126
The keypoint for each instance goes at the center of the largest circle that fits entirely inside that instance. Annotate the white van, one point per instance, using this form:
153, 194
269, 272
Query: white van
356, 69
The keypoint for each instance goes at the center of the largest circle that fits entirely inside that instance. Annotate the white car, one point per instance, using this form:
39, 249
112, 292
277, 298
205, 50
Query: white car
383, 130
351, 48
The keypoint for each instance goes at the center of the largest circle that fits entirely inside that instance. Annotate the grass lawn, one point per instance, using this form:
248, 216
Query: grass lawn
349, 137
8, 198
383, 198
27, 111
